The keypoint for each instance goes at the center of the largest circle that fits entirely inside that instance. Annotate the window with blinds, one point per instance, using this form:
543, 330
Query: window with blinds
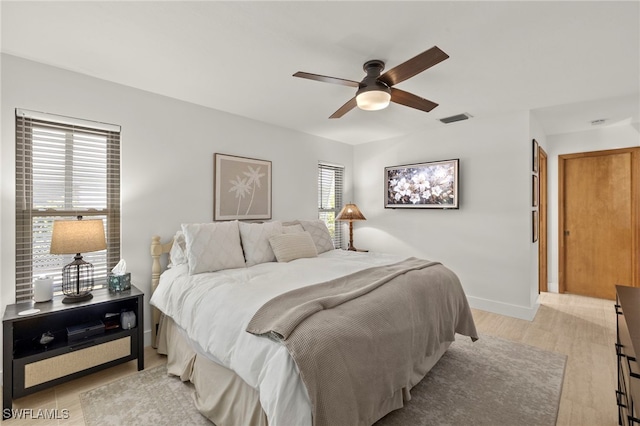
330, 180
65, 168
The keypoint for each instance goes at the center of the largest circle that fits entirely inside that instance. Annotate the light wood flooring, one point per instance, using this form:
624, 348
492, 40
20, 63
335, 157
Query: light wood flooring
580, 327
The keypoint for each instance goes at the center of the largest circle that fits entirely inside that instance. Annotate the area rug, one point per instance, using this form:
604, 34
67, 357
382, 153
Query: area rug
489, 382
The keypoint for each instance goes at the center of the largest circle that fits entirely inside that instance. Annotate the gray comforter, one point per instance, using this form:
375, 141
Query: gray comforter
361, 341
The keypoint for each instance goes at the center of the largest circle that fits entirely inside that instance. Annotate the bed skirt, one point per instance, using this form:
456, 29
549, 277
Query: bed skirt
220, 394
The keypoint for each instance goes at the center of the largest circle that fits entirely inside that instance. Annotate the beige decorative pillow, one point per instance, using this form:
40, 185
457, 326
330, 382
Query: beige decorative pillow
320, 234
289, 247
213, 246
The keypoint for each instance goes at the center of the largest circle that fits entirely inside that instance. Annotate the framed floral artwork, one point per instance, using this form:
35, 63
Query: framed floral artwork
432, 185
241, 188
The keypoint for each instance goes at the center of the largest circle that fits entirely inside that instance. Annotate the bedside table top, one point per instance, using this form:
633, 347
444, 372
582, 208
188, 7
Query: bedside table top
101, 295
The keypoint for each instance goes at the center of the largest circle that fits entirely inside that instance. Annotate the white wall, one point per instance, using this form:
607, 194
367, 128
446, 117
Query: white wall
167, 149
487, 242
601, 138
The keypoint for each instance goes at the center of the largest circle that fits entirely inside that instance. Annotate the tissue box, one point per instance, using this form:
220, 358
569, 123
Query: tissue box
118, 283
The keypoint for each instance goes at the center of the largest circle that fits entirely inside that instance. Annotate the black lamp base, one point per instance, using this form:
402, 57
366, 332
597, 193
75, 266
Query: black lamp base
75, 298
77, 280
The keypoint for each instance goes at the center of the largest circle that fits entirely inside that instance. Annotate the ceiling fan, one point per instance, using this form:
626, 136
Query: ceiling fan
375, 91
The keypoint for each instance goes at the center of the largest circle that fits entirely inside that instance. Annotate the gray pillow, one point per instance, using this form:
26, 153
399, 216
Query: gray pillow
291, 229
213, 246
319, 233
255, 241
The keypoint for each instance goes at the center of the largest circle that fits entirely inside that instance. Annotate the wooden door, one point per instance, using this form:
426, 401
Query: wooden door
543, 268
598, 222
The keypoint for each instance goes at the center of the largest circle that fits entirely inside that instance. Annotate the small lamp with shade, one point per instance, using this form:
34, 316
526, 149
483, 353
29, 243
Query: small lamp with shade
76, 237
350, 213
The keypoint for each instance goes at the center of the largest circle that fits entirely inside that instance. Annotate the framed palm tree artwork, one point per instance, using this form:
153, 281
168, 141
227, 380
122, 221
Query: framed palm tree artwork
242, 188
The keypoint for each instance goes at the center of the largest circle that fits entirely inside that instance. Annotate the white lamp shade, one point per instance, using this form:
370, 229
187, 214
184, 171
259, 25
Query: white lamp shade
373, 100
77, 236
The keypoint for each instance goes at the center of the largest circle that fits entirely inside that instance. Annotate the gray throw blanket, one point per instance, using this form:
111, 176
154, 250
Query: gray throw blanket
361, 341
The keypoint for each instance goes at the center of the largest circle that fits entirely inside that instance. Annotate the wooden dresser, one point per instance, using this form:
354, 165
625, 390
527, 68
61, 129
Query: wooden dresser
627, 349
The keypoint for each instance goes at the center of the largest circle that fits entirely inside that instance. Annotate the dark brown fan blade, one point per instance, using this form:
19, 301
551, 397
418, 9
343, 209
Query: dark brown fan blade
408, 99
413, 66
325, 79
351, 104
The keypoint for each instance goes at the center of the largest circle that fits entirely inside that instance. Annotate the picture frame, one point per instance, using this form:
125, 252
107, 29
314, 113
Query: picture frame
428, 185
535, 191
534, 225
241, 188
535, 154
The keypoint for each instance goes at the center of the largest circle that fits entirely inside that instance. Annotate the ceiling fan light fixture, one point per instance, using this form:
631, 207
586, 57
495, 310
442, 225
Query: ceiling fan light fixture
373, 100
376, 90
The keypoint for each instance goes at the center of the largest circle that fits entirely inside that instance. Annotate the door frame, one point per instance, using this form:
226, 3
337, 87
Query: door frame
543, 240
635, 210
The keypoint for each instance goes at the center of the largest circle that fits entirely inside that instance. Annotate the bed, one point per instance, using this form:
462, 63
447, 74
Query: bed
273, 326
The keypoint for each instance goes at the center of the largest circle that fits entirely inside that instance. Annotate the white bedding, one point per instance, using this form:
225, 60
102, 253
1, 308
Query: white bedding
215, 308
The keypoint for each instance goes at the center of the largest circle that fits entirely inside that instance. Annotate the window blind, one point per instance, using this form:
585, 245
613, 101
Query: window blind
330, 181
64, 169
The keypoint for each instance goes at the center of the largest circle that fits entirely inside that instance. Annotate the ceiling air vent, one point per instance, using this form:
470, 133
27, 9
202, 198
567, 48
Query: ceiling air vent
454, 118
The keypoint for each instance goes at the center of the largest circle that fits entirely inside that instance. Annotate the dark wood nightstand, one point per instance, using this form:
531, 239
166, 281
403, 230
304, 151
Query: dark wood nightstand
29, 366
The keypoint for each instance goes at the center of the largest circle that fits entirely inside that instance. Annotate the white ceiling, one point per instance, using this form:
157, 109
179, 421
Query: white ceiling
570, 62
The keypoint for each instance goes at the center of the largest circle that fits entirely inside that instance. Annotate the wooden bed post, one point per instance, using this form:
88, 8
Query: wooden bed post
157, 250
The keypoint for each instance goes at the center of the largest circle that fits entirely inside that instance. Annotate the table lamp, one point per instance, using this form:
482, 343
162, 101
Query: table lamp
77, 236
349, 213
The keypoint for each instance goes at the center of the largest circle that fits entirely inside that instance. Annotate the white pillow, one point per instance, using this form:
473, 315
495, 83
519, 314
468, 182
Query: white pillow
289, 247
292, 229
213, 246
320, 234
255, 241
178, 253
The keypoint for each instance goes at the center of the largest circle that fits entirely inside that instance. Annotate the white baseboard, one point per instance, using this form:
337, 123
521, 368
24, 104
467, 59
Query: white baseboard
515, 311
147, 338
